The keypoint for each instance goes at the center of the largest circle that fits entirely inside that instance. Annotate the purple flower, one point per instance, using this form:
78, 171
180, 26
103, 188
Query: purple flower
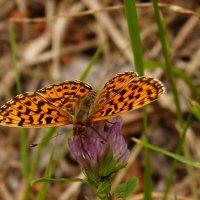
101, 150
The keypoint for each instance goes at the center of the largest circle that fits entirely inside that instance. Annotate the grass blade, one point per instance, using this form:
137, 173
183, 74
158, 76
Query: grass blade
45, 139
166, 52
175, 156
134, 34
91, 63
42, 194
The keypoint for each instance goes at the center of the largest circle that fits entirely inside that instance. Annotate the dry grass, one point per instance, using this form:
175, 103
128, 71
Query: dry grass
55, 42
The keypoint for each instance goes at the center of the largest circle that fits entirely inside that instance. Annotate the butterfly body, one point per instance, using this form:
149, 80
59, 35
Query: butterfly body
75, 102
83, 112
85, 107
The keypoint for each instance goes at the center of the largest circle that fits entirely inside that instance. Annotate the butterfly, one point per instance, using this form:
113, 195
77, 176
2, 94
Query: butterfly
75, 102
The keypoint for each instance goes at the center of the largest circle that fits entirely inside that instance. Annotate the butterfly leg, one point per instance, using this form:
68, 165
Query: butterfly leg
83, 147
97, 132
110, 122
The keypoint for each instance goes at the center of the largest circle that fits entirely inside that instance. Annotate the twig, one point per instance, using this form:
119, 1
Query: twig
175, 8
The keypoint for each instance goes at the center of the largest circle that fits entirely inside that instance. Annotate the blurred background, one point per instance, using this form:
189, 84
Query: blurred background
54, 40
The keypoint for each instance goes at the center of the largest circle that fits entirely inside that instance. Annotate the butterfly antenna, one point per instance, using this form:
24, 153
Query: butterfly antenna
45, 141
33, 145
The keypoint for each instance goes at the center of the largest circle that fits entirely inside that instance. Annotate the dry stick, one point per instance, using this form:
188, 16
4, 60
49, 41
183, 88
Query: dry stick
184, 32
7, 7
184, 185
58, 32
107, 23
44, 57
5, 194
113, 32
35, 47
194, 63
175, 8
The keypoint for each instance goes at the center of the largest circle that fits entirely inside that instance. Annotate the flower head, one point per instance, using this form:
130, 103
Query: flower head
101, 150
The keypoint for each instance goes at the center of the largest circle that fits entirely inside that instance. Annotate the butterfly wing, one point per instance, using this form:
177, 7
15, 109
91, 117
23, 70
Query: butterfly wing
132, 94
113, 86
49, 107
32, 110
65, 95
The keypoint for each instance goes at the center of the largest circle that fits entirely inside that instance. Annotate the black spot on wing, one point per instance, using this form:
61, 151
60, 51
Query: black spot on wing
149, 92
20, 107
82, 90
40, 104
108, 111
21, 122
137, 96
48, 120
40, 118
134, 87
28, 103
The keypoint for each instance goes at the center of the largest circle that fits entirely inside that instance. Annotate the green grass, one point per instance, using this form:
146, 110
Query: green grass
168, 68
135, 41
175, 156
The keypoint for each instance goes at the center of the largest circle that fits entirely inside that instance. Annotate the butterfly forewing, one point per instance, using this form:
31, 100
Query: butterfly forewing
65, 95
137, 93
113, 86
32, 110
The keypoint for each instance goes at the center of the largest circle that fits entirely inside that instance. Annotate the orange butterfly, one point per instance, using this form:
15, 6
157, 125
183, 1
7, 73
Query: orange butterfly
75, 102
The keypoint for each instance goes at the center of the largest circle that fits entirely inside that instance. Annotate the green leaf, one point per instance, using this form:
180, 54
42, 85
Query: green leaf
170, 154
91, 63
103, 186
195, 109
109, 165
125, 189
